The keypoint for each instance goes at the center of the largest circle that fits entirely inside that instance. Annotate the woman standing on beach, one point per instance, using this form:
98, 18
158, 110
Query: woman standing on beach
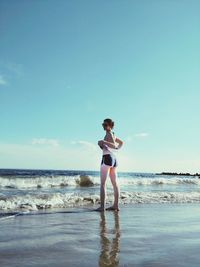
109, 145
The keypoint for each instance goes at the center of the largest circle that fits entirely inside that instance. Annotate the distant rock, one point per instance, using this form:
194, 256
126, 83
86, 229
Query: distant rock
180, 174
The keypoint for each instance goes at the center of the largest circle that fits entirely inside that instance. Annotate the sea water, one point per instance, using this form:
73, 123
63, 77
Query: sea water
32, 190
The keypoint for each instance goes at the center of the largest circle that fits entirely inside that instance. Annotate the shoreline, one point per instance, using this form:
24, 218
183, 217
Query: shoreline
137, 235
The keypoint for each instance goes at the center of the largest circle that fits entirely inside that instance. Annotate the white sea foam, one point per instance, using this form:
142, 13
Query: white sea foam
43, 182
163, 181
44, 201
58, 200
61, 181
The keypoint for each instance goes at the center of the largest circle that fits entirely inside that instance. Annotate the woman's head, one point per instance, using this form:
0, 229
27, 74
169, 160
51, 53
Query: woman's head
108, 124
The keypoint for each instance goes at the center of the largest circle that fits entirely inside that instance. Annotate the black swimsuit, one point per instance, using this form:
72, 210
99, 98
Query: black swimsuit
109, 160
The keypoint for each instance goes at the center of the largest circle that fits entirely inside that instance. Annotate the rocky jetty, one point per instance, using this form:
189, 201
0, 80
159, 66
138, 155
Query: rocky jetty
180, 174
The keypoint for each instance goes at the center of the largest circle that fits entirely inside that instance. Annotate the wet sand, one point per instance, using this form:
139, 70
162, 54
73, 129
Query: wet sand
139, 235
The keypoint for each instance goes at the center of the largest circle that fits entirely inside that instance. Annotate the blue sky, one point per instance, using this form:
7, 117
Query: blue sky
67, 65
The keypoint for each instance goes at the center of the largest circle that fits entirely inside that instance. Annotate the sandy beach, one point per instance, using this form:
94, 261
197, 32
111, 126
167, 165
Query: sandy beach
139, 235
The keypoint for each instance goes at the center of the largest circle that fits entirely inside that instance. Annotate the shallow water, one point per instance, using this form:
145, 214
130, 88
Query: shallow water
139, 235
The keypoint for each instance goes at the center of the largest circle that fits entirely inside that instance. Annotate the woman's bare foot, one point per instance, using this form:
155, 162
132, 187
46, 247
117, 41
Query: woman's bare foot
113, 208
100, 209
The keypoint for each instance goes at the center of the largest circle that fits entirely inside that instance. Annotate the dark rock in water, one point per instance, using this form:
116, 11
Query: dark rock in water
10, 186
43, 206
93, 200
89, 199
180, 174
40, 207
84, 180
63, 184
25, 205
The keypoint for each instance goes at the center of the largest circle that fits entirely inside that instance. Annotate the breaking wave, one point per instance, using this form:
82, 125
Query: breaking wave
46, 182
31, 202
85, 180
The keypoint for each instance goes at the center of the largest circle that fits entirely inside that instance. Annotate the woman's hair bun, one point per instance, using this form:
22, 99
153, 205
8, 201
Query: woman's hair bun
110, 122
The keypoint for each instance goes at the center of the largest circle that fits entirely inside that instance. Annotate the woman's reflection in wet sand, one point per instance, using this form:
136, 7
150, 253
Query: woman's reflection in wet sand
110, 241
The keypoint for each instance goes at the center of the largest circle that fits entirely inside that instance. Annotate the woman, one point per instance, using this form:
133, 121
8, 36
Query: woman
109, 145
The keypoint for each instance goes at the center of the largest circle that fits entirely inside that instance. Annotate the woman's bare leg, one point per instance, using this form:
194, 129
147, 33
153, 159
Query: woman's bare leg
113, 178
104, 173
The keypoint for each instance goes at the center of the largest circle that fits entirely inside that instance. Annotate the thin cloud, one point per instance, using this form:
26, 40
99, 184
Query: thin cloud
42, 156
141, 135
85, 144
2, 80
45, 141
131, 138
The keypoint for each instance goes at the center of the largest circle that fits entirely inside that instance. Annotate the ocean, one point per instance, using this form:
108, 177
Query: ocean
33, 190
47, 218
